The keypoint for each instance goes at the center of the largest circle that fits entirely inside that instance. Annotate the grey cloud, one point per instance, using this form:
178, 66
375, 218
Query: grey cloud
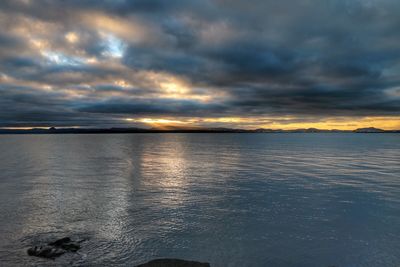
152, 107
270, 58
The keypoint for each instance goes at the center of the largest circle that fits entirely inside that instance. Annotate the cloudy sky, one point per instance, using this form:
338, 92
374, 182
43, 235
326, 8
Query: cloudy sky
200, 63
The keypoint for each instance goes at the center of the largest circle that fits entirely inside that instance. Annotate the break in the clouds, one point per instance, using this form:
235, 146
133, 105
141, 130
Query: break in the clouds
207, 63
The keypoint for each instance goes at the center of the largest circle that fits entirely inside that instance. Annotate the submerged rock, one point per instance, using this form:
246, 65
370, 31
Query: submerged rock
46, 252
72, 247
60, 242
54, 249
173, 263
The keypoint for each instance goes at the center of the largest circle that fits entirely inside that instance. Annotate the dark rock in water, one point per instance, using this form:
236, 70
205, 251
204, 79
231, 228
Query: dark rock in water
46, 252
73, 247
173, 263
67, 244
61, 241
54, 249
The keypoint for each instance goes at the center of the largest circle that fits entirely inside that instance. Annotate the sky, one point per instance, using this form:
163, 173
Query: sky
329, 64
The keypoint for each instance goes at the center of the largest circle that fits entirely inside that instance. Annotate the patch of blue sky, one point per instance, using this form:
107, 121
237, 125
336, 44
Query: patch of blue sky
57, 58
113, 46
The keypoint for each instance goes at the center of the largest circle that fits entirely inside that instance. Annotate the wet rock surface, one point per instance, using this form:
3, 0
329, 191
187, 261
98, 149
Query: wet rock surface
173, 263
55, 249
45, 252
60, 242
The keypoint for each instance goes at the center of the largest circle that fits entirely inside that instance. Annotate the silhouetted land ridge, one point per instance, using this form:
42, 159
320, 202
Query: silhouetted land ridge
53, 130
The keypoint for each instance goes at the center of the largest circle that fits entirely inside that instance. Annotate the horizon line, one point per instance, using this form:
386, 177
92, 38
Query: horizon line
184, 129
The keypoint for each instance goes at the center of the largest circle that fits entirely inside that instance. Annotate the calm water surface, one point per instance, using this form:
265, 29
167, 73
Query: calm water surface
289, 200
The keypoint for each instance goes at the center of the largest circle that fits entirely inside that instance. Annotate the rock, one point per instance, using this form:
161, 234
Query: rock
54, 249
67, 244
46, 252
73, 247
173, 263
61, 241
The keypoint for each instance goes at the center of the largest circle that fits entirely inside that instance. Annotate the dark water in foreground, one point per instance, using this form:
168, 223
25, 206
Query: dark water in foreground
230, 199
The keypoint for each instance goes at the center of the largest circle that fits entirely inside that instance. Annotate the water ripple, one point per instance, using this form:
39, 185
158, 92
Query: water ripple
284, 200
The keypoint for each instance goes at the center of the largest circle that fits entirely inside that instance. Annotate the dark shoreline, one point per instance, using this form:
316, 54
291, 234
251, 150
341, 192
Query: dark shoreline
216, 130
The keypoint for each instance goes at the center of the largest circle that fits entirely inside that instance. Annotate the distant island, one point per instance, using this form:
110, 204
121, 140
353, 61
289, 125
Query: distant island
54, 130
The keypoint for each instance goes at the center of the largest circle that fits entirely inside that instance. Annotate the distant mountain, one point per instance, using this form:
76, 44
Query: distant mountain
54, 130
369, 130
301, 130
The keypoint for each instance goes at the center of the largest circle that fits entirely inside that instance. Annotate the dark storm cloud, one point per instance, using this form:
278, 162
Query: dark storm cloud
21, 107
151, 107
266, 58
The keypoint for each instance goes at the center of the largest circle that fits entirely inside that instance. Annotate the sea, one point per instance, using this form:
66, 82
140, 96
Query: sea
230, 199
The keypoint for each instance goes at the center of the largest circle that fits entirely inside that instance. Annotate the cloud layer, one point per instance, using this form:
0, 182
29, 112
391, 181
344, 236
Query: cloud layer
97, 63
